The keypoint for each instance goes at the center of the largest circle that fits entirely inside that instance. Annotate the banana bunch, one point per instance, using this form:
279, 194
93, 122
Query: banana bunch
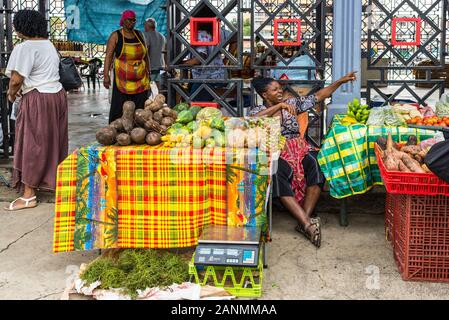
357, 111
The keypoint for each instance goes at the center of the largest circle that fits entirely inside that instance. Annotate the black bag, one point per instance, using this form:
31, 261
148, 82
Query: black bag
437, 160
69, 76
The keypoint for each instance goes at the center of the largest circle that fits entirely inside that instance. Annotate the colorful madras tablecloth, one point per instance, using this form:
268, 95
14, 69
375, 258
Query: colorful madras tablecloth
347, 158
155, 197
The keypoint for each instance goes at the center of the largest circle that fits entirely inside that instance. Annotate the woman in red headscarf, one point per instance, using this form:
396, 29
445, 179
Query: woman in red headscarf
127, 53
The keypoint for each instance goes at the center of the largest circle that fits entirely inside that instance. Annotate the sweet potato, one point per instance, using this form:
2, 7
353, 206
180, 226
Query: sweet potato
426, 168
412, 164
413, 149
106, 136
382, 142
402, 167
138, 135
153, 138
128, 116
124, 139
412, 141
141, 116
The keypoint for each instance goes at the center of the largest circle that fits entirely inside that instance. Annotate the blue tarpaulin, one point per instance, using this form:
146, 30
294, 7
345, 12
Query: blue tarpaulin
93, 21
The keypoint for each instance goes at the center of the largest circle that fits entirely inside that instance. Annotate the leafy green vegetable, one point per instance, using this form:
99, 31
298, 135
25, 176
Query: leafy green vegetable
181, 107
195, 110
185, 117
137, 269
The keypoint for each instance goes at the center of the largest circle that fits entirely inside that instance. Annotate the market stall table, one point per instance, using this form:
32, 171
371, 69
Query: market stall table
348, 161
155, 197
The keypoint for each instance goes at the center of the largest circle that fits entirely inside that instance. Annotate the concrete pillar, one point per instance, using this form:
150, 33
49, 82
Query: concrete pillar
346, 53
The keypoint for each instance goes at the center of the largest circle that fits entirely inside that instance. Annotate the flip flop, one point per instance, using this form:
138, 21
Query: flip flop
27, 204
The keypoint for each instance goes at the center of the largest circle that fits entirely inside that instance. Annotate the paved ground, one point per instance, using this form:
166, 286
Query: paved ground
353, 263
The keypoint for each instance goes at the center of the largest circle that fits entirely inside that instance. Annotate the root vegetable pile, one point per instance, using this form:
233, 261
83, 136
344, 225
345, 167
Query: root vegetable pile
139, 126
403, 158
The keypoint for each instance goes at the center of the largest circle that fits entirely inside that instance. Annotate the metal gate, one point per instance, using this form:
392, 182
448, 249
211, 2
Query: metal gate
181, 23
270, 20
294, 32
406, 43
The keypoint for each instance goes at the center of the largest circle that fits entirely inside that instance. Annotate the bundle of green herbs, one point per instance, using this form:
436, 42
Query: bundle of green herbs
137, 269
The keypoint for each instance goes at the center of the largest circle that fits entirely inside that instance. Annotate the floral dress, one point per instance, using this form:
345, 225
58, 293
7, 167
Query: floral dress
296, 147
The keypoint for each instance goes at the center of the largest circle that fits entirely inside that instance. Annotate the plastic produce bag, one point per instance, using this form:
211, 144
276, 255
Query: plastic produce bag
442, 107
376, 117
437, 160
209, 114
391, 119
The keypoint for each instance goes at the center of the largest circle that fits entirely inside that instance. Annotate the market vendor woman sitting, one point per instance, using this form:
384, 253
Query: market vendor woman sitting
298, 181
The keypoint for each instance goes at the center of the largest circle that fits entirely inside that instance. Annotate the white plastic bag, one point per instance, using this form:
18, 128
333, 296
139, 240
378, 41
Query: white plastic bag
154, 91
15, 108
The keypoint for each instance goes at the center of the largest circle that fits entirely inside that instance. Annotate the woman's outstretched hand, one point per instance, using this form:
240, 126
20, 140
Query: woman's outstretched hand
351, 76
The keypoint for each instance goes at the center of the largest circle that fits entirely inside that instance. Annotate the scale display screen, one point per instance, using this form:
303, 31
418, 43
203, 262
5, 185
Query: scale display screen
227, 255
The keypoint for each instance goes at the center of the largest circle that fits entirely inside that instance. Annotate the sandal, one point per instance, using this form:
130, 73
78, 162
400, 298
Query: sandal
314, 237
26, 206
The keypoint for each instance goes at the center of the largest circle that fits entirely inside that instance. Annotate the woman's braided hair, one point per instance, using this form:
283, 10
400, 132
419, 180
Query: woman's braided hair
30, 23
260, 84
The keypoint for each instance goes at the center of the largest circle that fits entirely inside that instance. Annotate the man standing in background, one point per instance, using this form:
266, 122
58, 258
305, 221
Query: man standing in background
156, 47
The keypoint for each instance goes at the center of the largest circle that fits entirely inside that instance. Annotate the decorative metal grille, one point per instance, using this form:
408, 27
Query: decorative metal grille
398, 64
179, 47
229, 97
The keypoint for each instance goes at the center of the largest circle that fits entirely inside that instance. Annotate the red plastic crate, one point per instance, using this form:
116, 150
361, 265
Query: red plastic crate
421, 237
205, 104
389, 213
410, 183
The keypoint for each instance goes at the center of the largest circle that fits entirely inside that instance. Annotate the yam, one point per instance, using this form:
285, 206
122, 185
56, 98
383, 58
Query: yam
117, 125
128, 115
147, 104
159, 99
142, 116
167, 121
166, 111
158, 116
154, 107
124, 139
138, 135
152, 125
106, 136
163, 130
153, 139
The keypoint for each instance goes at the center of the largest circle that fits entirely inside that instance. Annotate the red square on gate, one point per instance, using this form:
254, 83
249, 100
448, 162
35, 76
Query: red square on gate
277, 41
416, 21
194, 27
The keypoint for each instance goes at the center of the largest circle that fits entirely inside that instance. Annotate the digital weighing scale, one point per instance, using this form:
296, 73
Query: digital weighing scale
228, 246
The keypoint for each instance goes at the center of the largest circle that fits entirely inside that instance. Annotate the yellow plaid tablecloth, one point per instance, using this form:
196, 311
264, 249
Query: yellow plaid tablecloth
149, 197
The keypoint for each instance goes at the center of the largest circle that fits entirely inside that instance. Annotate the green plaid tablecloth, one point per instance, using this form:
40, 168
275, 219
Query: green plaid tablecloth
347, 158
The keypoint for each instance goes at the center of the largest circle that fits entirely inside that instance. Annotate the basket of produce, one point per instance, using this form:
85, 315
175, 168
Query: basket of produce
403, 170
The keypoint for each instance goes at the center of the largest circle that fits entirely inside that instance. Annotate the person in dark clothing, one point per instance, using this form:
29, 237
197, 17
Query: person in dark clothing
127, 52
